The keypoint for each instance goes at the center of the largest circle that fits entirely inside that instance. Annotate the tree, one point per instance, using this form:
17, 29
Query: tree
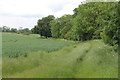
5, 29
35, 30
91, 20
13, 30
55, 28
25, 31
60, 26
110, 33
44, 26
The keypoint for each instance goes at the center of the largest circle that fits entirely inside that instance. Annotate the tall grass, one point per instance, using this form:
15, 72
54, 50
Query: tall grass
91, 59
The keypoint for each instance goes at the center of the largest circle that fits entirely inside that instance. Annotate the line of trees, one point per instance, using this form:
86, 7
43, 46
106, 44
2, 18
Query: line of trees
94, 20
14, 30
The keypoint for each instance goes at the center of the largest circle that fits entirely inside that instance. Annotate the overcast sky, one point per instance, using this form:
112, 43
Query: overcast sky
25, 13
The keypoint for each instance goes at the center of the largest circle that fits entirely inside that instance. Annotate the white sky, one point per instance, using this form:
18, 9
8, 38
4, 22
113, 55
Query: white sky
25, 13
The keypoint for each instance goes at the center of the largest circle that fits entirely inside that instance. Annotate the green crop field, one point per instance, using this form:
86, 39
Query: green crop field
15, 45
28, 56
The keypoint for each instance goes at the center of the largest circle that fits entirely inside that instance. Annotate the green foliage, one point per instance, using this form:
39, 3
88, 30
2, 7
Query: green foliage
93, 20
43, 26
111, 27
60, 26
55, 28
14, 30
35, 30
5, 29
25, 31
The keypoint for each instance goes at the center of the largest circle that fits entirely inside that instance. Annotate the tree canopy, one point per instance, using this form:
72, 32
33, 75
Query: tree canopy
43, 26
91, 20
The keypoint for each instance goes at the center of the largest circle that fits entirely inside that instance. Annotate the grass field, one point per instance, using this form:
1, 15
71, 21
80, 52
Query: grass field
50, 58
15, 45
